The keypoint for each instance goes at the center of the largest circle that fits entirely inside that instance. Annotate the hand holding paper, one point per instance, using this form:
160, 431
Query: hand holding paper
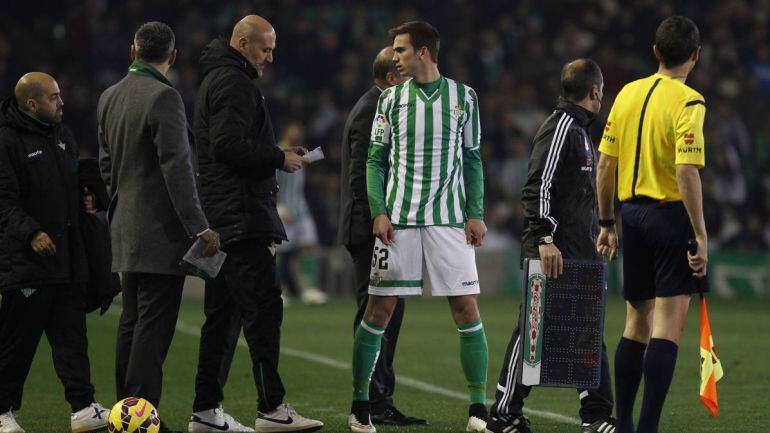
314, 155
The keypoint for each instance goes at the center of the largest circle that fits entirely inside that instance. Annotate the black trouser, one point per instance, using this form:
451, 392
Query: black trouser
383, 378
231, 342
147, 324
509, 397
25, 314
247, 281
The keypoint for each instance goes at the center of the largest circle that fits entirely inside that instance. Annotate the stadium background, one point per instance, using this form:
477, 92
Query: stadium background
511, 53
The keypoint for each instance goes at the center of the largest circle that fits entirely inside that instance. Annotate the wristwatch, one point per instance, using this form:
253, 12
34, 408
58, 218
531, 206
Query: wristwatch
545, 240
607, 223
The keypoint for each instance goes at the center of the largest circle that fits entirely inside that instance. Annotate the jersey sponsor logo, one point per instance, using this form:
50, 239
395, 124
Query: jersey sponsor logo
35, 153
689, 149
607, 126
405, 105
689, 138
470, 283
608, 138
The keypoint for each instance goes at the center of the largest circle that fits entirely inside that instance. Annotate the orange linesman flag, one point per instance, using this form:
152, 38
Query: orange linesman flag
710, 367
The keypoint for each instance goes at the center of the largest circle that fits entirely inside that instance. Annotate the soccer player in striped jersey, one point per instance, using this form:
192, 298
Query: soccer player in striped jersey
426, 135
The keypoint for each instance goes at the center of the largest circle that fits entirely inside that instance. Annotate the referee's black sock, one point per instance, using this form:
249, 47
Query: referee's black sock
629, 358
659, 364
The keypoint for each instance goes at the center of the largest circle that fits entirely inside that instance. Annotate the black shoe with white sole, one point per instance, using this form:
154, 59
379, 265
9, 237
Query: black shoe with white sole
518, 425
599, 426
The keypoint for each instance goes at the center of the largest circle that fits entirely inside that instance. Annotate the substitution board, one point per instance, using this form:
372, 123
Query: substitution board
562, 321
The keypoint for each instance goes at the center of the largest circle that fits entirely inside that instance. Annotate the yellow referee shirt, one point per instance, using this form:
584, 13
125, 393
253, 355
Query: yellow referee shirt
654, 124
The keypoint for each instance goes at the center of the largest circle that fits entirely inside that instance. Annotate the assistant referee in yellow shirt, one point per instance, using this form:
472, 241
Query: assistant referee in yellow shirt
654, 138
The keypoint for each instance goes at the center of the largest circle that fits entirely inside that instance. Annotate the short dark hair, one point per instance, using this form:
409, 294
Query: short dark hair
578, 77
154, 42
677, 38
381, 66
421, 34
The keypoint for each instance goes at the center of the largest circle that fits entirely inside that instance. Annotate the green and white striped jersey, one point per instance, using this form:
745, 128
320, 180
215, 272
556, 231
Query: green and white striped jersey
428, 140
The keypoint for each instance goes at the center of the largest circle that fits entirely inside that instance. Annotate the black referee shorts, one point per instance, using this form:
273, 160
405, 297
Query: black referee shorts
655, 237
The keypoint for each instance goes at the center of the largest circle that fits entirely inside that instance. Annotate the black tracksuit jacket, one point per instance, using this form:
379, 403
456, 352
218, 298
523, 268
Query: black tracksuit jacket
38, 191
559, 197
236, 149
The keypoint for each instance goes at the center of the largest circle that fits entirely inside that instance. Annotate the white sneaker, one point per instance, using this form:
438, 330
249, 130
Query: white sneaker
477, 418
92, 418
235, 426
313, 296
476, 425
215, 420
8, 424
285, 419
358, 426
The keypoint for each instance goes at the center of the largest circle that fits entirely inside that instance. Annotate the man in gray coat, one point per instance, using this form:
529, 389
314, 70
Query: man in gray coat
154, 212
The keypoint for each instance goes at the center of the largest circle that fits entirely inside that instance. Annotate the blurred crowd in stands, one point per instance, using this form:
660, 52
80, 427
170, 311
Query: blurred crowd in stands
511, 52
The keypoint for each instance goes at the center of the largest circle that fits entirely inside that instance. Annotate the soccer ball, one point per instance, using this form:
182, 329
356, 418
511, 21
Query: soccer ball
133, 415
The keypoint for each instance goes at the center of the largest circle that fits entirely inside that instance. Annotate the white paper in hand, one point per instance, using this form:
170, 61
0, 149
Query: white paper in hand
314, 155
195, 263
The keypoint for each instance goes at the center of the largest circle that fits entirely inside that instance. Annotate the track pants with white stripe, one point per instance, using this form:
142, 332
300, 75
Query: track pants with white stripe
509, 398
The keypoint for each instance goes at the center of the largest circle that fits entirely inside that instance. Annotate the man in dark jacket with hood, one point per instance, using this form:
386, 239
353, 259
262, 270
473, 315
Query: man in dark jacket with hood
42, 256
237, 160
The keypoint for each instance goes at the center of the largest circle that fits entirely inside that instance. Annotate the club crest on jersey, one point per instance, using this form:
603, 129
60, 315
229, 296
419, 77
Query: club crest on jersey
458, 112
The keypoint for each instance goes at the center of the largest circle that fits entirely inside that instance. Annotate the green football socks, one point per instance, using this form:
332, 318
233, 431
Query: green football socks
366, 349
474, 357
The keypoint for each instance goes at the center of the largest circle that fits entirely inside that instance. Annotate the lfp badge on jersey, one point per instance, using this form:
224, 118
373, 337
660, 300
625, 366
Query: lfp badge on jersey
380, 129
533, 325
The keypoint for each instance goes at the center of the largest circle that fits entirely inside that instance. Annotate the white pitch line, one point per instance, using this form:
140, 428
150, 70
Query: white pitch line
402, 380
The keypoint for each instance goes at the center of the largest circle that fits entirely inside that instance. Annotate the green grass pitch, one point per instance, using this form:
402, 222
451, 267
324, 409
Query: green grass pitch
317, 351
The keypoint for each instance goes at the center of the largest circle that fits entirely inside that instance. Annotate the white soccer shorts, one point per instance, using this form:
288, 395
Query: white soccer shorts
451, 263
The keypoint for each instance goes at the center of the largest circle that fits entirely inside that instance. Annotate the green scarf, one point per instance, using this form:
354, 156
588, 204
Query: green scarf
141, 68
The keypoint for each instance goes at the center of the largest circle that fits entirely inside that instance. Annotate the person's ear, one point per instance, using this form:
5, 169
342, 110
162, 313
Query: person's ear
172, 58
133, 53
696, 54
390, 78
31, 105
656, 51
